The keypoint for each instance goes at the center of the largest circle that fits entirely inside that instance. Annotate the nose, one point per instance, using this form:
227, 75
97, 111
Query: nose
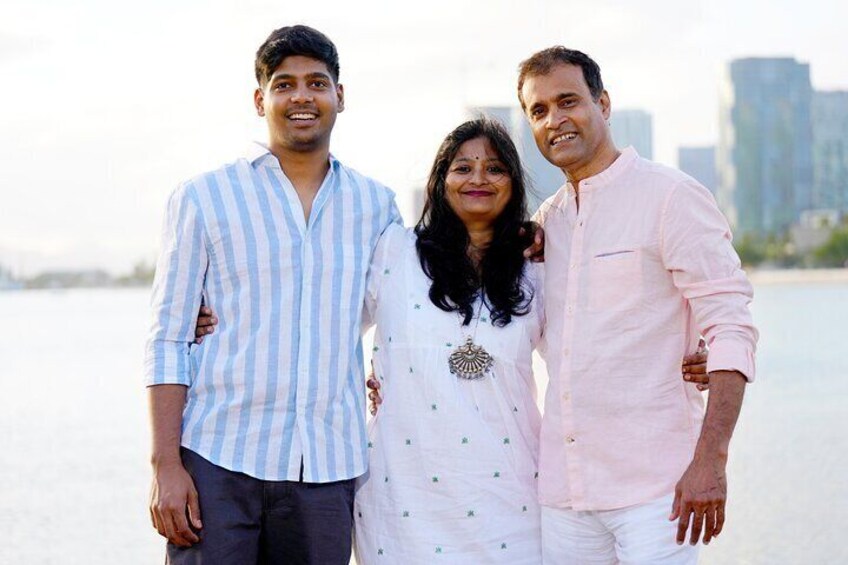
301, 94
478, 176
555, 118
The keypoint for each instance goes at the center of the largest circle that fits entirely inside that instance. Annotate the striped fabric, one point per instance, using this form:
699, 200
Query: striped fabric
281, 379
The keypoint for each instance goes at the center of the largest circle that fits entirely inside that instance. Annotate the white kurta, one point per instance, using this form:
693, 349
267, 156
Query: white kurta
453, 463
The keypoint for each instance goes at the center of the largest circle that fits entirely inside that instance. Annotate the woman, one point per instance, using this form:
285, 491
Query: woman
453, 449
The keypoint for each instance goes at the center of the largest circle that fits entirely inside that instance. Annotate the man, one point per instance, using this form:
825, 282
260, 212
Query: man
259, 433
638, 264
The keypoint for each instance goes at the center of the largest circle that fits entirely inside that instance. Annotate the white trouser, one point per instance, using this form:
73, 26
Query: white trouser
636, 535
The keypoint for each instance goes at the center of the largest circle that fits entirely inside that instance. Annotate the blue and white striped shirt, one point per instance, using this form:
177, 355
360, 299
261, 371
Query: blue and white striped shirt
281, 380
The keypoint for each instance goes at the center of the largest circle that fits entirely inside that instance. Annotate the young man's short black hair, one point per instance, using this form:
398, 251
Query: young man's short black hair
295, 40
542, 62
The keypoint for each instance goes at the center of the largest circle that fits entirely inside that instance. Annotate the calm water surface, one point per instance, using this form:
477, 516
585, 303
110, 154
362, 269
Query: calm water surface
74, 440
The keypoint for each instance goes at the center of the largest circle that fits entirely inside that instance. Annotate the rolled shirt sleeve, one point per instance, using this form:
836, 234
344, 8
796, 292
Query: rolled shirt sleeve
177, 292
696, 248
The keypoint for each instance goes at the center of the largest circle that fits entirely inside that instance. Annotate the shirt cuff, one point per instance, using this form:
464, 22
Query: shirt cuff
731, 355
168, 364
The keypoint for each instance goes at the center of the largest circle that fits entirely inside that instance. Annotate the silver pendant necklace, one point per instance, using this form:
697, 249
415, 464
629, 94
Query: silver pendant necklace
470, 361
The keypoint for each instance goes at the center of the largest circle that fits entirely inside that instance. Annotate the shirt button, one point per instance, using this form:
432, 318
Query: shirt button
574, 265
565, 352
566, 396
569, 440
570, 309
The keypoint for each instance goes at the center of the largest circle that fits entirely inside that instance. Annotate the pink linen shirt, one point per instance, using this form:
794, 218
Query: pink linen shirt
632, 279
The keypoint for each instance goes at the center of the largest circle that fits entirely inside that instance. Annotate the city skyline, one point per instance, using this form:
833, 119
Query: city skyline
102, 122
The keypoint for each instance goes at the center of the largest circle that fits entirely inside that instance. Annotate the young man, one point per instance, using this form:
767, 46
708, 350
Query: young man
638, 264
259, 433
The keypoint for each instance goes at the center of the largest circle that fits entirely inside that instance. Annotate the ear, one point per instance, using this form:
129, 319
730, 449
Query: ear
606, 106
259, 101
340, 95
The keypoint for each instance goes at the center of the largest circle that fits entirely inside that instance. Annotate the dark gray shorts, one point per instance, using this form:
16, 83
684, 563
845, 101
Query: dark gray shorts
247, 520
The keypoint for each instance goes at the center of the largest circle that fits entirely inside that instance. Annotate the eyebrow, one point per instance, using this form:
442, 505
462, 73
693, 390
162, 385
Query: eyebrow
558, 97
275, 78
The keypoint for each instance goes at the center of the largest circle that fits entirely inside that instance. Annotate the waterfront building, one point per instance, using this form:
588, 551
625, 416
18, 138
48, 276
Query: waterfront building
699, 163
830, 150
633, 127
764, 155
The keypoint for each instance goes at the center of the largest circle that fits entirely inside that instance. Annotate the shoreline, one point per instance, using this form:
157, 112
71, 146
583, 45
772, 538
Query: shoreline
756, 276
798, 276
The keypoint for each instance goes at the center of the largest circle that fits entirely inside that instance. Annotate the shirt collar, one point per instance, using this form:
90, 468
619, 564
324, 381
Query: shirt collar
257, 153
610, 174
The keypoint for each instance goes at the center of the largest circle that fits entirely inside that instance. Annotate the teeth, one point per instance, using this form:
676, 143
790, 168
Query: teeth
564, 137
303, 116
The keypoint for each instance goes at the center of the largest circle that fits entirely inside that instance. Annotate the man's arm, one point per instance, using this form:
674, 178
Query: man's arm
172, 490
702, 491
696, 248
177, 289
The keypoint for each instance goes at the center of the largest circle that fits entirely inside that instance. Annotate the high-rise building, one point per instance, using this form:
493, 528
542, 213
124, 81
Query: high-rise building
699, 163
633, 127
764, 155
830, 150
544, 178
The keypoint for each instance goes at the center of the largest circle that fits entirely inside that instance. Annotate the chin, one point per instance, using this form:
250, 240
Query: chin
563, 159
304, 144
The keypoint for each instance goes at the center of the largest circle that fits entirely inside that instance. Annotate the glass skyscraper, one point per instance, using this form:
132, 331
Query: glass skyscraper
830, 150
765, 144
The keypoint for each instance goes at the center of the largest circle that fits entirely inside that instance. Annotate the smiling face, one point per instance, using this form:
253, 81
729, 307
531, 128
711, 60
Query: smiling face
568, 124
477, 185
300, 102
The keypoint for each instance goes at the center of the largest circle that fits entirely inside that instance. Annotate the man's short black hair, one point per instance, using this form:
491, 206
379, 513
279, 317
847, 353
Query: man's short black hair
295, 40
542, 62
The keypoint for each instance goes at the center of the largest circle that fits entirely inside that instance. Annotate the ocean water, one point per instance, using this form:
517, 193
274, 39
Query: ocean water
74, 475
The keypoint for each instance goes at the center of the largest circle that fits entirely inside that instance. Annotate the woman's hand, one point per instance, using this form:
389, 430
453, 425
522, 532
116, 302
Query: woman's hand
695, 367
374, 391
206, 322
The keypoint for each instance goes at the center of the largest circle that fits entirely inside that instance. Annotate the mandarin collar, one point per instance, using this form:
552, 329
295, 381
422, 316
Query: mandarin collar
610, 174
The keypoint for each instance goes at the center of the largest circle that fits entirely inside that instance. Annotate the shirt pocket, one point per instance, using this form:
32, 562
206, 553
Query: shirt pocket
615, 280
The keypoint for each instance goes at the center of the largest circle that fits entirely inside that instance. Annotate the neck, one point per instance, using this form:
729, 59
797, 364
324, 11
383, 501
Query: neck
600, 162
303, 168
479, 237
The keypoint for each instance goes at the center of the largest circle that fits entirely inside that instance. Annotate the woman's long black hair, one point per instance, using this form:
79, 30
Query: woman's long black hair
443, 239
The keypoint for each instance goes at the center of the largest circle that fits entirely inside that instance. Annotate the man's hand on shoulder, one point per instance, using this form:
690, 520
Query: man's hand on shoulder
534, 237
174, 506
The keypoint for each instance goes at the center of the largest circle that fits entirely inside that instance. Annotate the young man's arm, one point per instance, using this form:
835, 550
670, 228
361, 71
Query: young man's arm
173, 490
177, 290
696, 248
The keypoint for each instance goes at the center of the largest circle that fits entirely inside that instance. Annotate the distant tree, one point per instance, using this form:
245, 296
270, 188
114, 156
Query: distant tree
141, 275
751, 250
834, 253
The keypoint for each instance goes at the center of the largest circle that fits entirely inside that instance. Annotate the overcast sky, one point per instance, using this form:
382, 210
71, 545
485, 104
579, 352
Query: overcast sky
106, 105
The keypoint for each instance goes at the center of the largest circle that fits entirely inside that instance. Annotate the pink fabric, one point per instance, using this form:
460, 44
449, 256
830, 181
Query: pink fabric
631, 282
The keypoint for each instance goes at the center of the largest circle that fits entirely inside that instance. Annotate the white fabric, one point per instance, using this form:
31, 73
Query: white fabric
637, 535
452, 473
